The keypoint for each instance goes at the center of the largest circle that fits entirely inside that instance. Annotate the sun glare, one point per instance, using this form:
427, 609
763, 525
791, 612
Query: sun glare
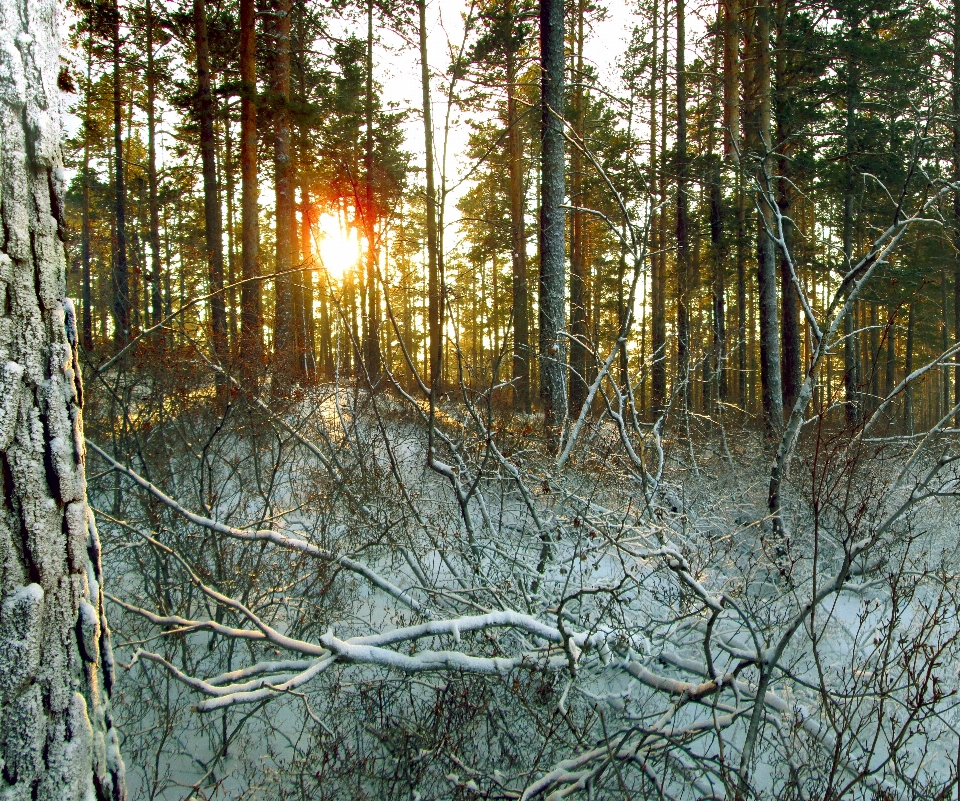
338, 248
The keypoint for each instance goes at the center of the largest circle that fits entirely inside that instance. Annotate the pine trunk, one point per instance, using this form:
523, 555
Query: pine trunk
213, 224
156, 297
120, 281
553, 361
518, 243
283, 184
434, 290
57, 739
251, 315
578, 260
86, 288
683, 246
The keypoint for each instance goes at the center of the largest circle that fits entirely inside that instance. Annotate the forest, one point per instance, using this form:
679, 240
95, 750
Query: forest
494, 399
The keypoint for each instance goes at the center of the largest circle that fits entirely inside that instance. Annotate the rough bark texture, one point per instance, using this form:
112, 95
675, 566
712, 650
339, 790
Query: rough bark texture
553, 347
251, 325
57, 741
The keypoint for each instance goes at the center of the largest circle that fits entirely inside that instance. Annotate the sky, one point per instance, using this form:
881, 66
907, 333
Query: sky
397, 68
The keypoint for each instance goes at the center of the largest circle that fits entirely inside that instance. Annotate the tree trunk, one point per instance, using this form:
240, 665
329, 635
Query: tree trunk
683, 247
908, 368
229, 180
578, 261
86, 288
760, 143
213, 224
655, 343
518, 242
890, 369
251, 315
553, 361
718, 238
307, 327
955, 87
434, 290
658, 323
791, 366
121, 288
850, 378
57, 739
283, 184
372, 312
156, 298
874, 356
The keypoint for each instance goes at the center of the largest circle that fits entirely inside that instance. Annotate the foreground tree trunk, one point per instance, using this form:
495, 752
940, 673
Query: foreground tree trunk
553, 348
57, 740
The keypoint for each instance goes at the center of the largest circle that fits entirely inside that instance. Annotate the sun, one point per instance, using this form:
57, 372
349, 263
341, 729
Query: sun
337, 246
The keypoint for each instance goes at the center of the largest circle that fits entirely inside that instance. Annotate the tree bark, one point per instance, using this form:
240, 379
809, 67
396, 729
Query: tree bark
791, 366
908, 416
553, 349
955, 87
213, 224
372, 312
518, 241
578, 260
850, 378
658, 288
120, 280
434, 290
760, 144
683, 246
156, 298
283, 184
251, 315
57, 739
308, 326
86, 288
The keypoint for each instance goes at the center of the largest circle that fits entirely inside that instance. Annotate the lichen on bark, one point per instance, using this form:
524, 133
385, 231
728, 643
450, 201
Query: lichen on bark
57, 739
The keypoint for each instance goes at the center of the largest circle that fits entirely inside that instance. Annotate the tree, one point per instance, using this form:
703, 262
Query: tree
121, 284
213, 224
251, 321
57, 739
553, 348
283, 185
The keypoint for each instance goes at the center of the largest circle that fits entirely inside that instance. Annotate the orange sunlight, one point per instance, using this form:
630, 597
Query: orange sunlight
338, 247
